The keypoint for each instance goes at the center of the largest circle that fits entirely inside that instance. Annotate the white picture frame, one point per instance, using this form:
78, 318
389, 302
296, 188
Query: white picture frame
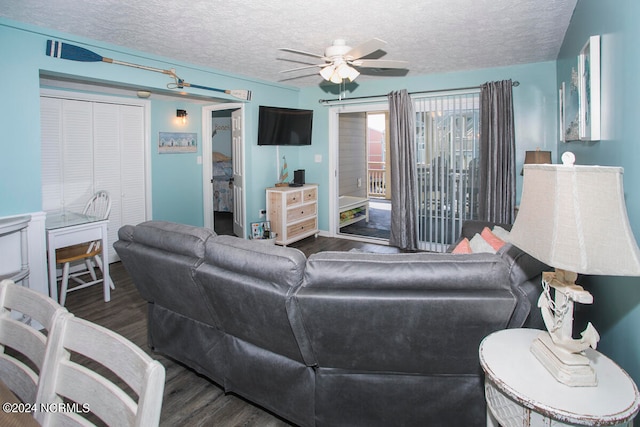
561, 111
589, 90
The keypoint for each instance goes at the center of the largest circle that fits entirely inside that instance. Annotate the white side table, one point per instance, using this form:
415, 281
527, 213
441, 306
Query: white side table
520, 391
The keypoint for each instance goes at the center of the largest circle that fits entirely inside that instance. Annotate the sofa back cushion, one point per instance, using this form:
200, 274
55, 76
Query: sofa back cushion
411, 313
248, 284
160, 257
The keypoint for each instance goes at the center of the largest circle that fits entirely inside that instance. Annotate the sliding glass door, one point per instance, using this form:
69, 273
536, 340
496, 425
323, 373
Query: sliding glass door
447, 135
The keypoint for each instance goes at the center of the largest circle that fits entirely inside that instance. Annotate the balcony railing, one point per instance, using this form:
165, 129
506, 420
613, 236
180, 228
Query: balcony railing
376, 179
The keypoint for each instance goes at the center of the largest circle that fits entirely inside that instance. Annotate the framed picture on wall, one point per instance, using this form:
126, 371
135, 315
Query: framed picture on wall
561, 110
260, 230
589, 89
570, 109
177, 142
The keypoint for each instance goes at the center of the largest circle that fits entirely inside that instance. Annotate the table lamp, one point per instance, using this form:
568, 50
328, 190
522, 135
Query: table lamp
536, 158
573, 218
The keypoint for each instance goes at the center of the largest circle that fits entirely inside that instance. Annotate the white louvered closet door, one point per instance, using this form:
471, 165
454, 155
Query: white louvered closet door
90, 146
67, 154
106, 123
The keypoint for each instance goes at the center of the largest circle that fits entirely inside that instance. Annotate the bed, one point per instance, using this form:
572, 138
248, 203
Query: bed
222, 180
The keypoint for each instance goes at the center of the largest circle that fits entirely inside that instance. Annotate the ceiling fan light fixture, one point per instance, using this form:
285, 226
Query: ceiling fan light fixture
341, 60
327, 72
353, 73
343, 70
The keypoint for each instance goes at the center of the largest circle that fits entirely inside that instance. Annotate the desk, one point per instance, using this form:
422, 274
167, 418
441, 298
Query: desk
520, 391
70, 228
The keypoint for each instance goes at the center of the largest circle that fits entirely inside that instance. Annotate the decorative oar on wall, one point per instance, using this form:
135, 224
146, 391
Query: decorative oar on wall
71, 52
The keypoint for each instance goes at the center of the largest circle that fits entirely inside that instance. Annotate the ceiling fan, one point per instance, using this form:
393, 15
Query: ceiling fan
342, 61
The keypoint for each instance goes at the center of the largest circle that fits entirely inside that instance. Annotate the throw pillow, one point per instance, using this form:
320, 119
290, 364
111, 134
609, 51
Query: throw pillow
463, 247
495, 242
478, 244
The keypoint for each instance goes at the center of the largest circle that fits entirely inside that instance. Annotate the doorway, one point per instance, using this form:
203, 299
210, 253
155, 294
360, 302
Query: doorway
223, 168
363, 174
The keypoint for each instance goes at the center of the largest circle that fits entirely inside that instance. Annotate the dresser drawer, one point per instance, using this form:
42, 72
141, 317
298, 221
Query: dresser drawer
303, 211
302, 227
294, 197
310, 194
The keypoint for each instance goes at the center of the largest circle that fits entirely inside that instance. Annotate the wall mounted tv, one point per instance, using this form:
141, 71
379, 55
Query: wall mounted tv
284, 126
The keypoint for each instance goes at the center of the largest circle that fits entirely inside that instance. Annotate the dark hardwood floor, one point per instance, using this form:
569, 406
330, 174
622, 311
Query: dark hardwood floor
189, 399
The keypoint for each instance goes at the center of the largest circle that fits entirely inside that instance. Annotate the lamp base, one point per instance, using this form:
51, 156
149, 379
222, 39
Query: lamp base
572, 369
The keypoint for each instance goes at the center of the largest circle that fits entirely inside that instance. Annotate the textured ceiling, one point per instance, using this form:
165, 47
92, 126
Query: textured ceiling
243, 36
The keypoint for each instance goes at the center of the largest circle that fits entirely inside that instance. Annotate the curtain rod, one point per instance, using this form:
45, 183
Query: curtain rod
515, 83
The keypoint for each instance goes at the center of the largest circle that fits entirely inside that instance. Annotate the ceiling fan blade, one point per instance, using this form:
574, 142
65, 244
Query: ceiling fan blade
380, 63
303, 68
301, 52
365, 49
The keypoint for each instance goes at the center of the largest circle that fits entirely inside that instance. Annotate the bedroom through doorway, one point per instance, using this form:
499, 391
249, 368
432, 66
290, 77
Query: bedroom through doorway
223, 168
222, 171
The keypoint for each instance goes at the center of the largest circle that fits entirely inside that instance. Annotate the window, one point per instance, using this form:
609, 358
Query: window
447, 136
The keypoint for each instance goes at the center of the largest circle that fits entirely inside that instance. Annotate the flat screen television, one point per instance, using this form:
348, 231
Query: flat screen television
284, 126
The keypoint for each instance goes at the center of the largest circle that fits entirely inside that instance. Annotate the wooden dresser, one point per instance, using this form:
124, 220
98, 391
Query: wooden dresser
293, 212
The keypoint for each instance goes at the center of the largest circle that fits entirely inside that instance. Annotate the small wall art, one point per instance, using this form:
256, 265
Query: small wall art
177, 142
569, 109
589, 89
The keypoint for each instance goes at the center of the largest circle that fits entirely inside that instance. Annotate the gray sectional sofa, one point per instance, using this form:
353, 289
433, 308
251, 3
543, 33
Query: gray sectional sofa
338, 339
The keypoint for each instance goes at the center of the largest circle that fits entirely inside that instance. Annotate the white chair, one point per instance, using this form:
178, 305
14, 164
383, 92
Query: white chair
66, 380
98, 206
21, 367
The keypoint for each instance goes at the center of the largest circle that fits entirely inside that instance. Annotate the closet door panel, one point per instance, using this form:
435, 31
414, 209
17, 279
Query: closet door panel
77, 154
51, 148
106, 142
132, 166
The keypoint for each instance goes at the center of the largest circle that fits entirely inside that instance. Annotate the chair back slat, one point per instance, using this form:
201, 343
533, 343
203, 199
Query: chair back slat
19, 378
102, 397
99, 205
103, 389
20, 308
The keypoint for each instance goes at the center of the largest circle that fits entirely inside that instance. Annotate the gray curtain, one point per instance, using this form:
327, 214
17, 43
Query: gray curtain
404, 212
497, 153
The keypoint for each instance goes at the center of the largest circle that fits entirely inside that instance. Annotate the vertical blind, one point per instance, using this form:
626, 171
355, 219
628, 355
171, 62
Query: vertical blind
447, 138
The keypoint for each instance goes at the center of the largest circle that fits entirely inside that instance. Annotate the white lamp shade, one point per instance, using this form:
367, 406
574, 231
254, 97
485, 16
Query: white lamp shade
353, 73
327, 72
343, 70
575, 218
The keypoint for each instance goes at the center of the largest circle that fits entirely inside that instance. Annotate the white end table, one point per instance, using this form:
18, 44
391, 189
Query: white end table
521, 392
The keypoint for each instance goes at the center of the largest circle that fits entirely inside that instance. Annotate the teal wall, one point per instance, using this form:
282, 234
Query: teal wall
616, 309
176, 190
176, 178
